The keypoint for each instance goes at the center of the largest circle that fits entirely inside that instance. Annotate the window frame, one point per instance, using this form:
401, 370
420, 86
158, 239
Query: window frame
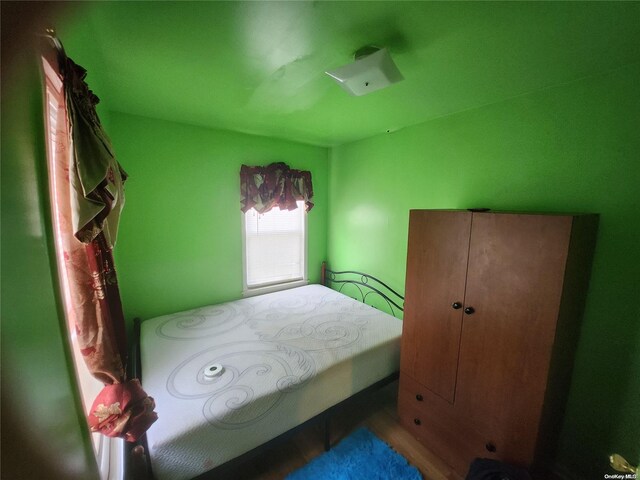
269, 287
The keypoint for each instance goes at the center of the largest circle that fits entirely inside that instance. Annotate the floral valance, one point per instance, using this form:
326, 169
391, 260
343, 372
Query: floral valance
275, 185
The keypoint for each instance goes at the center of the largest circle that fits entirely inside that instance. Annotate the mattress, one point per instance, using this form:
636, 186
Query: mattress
285, 356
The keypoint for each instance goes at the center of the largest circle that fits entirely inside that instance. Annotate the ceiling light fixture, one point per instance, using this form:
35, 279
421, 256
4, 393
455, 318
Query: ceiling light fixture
372, 70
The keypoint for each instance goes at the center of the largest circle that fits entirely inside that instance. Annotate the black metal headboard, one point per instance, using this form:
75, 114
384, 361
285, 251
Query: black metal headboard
366, 285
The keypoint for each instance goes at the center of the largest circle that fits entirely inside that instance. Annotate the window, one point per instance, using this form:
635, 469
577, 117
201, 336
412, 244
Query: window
108, 451
274, 249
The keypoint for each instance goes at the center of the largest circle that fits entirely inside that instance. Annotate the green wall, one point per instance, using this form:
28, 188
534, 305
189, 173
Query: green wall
571, 148
44, 434
179, 244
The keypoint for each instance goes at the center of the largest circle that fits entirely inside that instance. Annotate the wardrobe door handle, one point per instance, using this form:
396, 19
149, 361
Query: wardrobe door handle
490, 447
469, 310
417, 421
419, 397
456, 305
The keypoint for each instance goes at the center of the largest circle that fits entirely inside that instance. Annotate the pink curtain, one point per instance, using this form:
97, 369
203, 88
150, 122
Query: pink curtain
276, 185
87, 189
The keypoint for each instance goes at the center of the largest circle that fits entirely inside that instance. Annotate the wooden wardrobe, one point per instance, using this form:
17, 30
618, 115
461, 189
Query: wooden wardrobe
492, 310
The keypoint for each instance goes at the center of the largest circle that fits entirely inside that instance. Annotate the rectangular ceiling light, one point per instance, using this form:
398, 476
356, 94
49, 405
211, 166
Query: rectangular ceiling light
367, 74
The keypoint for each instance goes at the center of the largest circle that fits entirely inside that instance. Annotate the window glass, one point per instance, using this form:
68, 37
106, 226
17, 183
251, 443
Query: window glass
275, 244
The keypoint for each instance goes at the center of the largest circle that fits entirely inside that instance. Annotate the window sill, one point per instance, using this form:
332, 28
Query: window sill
250, 292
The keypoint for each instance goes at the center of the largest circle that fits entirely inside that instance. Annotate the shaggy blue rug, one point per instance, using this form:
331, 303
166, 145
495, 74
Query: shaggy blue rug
360, 456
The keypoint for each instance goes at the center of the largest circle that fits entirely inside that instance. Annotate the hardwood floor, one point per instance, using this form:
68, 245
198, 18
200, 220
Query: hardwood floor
378, 413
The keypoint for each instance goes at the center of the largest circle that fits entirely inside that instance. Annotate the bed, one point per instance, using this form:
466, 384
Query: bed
230, 378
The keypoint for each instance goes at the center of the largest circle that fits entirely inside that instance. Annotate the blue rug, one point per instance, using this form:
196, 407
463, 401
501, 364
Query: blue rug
360, 456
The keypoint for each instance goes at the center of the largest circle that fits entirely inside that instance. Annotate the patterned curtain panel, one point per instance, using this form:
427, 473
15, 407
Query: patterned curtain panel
276, 185
88, 194
97, 180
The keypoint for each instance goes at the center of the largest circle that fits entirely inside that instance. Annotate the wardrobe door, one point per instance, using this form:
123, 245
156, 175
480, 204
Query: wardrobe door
513, 293
434, 294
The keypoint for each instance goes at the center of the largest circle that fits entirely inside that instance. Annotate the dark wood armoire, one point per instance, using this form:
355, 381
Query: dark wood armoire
492, 312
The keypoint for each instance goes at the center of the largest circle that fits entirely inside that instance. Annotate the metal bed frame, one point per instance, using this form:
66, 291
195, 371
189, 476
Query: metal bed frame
137, 463
376, 287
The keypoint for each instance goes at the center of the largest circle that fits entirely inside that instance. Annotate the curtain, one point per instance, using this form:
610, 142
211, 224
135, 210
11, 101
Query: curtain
88, 191
97, 193
275, 185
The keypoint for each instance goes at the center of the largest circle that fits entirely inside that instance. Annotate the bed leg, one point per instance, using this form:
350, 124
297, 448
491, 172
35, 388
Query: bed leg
327, 433
137, 469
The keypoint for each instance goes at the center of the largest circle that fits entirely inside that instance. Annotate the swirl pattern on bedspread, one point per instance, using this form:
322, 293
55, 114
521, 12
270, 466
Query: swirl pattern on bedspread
203, 322
283, 334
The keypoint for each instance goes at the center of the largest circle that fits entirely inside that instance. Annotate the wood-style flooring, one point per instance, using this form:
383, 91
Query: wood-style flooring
378, 413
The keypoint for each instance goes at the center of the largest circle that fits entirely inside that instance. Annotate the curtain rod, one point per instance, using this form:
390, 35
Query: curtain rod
50, 34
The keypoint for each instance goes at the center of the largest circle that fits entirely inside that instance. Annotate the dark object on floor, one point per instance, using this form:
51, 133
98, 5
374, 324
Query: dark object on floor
487, 469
